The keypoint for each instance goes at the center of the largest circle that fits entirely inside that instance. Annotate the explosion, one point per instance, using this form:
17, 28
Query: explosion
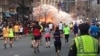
48, 13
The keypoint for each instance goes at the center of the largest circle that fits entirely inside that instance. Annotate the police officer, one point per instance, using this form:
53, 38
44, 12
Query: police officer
84, 45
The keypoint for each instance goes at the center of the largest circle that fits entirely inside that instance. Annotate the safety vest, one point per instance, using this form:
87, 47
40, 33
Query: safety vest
86, 46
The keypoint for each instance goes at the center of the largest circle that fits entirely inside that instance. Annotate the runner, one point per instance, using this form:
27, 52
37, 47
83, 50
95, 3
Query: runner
31, 35
5, 35
50, 26
26, 30
11, 34
47, 36
57, 42
71, 26
66, 31
75, 29
41, 30
16, 31
37, 36
94, 30
60, 27
21, 31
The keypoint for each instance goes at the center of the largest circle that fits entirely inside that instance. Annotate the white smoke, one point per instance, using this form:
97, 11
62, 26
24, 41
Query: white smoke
57, 15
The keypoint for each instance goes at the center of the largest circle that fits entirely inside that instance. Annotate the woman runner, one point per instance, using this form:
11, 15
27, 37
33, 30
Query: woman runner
21, 31
16, 31
37, 36
47, 36
5, 35
11, 34
57, 42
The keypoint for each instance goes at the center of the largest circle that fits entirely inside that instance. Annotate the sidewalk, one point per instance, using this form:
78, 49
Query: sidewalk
1, 38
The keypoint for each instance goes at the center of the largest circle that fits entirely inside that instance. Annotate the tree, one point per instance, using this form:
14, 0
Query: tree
98, 1
23, 10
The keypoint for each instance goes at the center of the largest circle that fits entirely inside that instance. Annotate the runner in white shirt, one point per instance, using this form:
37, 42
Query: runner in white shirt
60, 25
51, 26
21, 31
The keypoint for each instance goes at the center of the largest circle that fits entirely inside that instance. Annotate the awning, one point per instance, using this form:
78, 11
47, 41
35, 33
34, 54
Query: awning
6, 14
12, 14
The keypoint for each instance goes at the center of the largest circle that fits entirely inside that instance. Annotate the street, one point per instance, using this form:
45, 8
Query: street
22, 48
26, 16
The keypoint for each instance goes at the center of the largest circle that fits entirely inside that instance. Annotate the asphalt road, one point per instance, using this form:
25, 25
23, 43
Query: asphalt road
22, 48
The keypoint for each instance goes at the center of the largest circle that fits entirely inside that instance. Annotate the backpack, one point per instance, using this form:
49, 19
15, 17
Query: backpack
36, 32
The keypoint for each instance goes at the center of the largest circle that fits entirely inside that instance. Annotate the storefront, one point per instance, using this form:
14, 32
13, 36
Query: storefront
0, 13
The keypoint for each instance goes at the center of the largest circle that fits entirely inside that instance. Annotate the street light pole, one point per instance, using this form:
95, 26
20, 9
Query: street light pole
67, 5
76, 1
45, 15
5, 3
89, 9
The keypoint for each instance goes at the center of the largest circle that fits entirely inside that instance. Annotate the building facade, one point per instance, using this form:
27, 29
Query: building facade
50, 1
10, 6
0, 13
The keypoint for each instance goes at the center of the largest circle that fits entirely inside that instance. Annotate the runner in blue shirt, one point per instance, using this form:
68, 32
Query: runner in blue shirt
94, 30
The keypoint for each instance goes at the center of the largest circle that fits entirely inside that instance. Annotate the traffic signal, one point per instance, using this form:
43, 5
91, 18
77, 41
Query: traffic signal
98, 1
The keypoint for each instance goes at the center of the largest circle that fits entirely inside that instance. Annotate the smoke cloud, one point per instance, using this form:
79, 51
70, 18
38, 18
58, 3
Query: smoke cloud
57, 15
